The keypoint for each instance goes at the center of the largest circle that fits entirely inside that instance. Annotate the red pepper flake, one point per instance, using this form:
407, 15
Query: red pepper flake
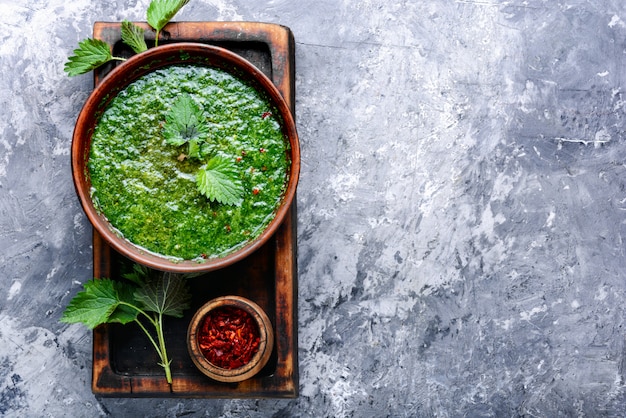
228, 228
238, 159
228, 337
255, 191
243, 152
262, 150
266, 115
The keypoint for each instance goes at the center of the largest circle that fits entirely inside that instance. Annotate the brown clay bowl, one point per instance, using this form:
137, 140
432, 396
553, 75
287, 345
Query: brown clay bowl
258, 360
122, 76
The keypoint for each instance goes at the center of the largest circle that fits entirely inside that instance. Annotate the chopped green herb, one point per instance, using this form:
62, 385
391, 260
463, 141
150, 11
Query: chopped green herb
134, 172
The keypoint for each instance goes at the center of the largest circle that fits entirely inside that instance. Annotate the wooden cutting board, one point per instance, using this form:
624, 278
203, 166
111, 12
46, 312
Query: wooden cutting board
124, 362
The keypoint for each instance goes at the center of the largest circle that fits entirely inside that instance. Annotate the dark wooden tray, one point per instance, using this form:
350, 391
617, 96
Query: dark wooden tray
124, 362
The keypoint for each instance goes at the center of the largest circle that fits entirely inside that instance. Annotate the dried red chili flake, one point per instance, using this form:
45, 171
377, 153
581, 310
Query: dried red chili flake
266, 115
255, 191
228, 337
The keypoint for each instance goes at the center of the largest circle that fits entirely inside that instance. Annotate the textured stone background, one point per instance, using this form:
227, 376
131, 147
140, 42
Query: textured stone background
461, 209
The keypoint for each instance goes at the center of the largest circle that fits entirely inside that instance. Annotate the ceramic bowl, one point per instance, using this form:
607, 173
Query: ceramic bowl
258, 360
122, 76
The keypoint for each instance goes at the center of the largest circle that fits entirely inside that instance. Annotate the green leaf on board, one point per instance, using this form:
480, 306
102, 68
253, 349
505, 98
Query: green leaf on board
133, 36
90, 54
160, 12
113, 301
138, 275
166, 295
99, 303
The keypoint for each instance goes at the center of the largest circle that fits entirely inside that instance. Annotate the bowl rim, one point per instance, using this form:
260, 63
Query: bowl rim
117, 80
258, 360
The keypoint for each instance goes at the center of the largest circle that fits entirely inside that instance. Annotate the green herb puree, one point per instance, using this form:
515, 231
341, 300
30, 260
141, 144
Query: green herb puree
147, 189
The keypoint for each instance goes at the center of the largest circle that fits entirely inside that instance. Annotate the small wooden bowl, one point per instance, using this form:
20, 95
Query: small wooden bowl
258, 360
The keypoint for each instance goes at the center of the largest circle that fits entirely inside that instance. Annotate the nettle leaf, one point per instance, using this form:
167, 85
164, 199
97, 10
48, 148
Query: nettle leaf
160, 12
123, 313
184, 122
90, 54
133, 36
219, 181
199, 149
99, 303
139, 274
194, 149
167, 295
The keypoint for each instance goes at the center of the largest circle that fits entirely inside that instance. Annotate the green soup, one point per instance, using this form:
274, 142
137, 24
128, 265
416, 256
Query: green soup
149, 194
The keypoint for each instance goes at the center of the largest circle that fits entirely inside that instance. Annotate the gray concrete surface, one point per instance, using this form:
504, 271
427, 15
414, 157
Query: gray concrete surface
462, 209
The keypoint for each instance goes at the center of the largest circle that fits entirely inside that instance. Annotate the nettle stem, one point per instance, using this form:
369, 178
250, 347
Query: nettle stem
165, 362
156, 38
159, 343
